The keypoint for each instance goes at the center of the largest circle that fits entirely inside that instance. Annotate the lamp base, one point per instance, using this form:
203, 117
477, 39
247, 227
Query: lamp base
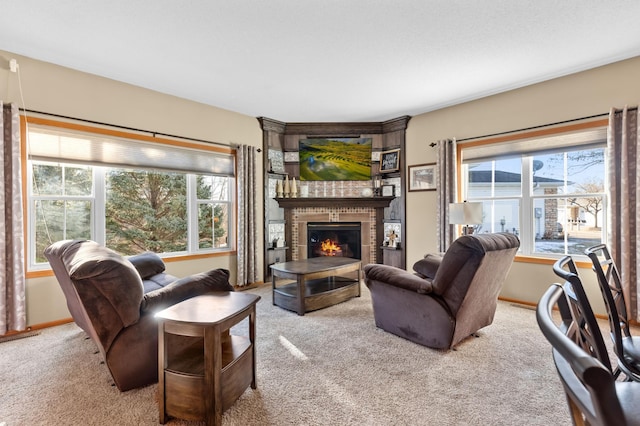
467, 230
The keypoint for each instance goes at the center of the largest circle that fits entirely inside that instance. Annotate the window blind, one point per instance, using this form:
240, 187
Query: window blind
48, 144
585, 139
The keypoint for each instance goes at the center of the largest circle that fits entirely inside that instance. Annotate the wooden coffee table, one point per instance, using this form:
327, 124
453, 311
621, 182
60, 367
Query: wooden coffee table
318, 283
202, 368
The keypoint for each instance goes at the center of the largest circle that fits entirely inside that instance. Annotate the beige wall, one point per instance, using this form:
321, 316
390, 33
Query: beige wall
53, 89
579, 95
59, 90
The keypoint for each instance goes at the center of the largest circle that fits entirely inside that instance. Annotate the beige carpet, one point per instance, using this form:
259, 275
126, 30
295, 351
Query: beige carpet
330, 367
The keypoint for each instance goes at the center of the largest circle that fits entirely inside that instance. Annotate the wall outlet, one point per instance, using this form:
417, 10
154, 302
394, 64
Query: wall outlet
13, 65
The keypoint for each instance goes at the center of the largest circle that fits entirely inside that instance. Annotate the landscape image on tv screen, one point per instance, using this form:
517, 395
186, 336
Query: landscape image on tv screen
335, 159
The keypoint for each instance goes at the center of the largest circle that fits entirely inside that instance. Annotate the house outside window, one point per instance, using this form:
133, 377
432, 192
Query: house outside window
131, 208
550, 191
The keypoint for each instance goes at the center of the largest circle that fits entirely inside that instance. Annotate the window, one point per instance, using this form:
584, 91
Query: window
61, 204
213, 211
130, 208
549, 191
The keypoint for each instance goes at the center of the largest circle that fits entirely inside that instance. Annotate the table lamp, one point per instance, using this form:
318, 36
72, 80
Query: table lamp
467, 214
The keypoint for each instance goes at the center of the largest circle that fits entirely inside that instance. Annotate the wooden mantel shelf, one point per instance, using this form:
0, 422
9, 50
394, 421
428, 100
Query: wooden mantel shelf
375, 202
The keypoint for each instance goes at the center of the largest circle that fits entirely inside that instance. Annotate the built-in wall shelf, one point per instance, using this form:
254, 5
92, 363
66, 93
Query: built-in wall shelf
281, 141
374, 202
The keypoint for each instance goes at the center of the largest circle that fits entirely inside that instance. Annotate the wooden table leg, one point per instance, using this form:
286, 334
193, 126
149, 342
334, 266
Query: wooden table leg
252, 339
162, 356
212, 369
302, 288
273, 288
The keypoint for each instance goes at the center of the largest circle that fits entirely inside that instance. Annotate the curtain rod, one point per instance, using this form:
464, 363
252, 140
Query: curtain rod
100, 123
432, 144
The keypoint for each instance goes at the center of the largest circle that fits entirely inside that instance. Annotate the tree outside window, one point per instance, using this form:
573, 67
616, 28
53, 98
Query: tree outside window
146, 211
143, 210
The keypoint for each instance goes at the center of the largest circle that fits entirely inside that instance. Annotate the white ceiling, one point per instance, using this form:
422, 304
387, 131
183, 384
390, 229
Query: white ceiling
324, 60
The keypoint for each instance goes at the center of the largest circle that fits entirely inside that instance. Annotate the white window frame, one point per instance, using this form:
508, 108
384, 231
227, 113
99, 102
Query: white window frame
527, 148
192, 213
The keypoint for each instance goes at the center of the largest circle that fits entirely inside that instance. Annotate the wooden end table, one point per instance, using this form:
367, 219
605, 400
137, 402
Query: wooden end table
202, 368
318, 284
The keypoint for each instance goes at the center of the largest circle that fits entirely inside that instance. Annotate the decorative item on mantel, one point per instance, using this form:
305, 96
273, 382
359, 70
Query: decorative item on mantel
279, 190
388, 190
304, 191
294, 188
287, 188
366, 192
377, 183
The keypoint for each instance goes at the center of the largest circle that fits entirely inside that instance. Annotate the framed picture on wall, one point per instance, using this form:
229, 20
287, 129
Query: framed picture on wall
422, 177
390, 161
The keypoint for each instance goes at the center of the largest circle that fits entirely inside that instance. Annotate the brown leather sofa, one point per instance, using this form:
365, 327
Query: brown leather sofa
449, 297
114, 299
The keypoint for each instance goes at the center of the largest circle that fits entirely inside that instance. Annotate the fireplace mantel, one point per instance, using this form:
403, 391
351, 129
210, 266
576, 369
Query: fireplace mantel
374, 202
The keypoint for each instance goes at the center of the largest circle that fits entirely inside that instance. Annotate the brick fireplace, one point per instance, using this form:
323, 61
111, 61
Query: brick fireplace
364, 215
369, 212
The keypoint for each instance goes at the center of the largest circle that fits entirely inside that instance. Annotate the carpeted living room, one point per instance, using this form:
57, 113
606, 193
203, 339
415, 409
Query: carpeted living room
218, 146
332, 366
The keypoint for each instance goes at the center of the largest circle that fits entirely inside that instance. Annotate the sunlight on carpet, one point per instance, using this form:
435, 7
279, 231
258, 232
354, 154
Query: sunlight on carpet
292, 348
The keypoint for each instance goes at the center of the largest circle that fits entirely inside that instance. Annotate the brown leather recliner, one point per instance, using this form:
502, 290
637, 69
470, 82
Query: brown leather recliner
114, 299
449, 297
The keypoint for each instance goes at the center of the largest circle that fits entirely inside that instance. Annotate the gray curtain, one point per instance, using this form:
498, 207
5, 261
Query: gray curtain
446, 184
624, 213
13, 314
247, 228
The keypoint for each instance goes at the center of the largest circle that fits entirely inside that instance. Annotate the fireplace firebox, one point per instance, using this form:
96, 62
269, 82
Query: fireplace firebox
334, 239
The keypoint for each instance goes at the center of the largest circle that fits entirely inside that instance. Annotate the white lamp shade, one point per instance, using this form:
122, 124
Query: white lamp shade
465, 213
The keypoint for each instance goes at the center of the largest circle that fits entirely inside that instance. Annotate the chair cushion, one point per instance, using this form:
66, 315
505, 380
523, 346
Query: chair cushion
396, 277
157, 281
147, 264
185, 288
428, 266
460, 262
111, 275
459, 265
631, 349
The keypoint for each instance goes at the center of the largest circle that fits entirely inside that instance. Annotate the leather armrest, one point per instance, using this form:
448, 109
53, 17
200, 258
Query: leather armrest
185, 288
397, 277
428, 266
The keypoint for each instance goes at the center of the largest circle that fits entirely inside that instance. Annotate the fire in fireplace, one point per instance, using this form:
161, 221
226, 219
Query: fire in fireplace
329, 247
333, 239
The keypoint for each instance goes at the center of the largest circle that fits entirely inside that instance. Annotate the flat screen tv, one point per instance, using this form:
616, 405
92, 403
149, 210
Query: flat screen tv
335, 159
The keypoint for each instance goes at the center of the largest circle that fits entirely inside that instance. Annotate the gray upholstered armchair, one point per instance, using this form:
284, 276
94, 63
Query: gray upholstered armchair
449, 297
113, 299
